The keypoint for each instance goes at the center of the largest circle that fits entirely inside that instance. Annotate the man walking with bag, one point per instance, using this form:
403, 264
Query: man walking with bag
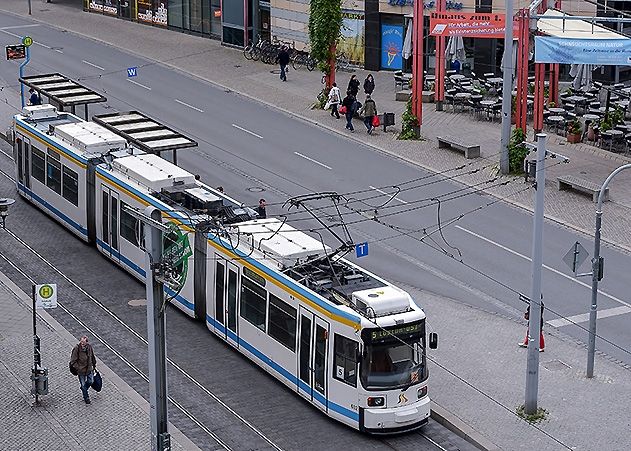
83, 362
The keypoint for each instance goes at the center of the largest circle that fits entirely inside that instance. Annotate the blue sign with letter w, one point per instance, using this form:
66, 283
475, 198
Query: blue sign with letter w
132, 71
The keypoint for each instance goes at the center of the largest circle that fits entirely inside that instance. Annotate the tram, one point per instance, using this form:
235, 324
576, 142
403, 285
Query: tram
344, 339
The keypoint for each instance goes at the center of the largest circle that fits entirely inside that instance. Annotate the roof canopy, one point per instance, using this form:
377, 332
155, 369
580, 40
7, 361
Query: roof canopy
62, 90
573, 29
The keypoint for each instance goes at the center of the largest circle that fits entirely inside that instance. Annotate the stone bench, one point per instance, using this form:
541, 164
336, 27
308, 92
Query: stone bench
403, 95
470, 151
565, 182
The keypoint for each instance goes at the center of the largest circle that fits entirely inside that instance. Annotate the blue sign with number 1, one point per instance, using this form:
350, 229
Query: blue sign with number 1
132, 71
361, 249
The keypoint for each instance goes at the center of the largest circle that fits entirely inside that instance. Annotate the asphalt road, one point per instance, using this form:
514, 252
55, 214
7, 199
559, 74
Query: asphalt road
245, 146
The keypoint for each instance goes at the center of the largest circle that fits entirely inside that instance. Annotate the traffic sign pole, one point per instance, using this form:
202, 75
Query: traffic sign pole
28, 58
37, 357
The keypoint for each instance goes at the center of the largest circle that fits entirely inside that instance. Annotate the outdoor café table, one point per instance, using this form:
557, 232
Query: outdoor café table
625, 128
576, 99
591, 117
487, 104
557, 111
495, 81
596, 111
456, 77
613, 134
556, 121
461, 97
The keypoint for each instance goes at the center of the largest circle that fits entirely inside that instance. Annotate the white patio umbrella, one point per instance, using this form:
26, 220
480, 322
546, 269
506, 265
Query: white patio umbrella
455, 49
582, 74
407, 43
514, 58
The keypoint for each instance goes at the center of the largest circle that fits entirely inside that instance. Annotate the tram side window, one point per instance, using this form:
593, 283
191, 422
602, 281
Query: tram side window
282, 322
53, 171
253, 303
345, 367
129, 227
38, 165
70, 182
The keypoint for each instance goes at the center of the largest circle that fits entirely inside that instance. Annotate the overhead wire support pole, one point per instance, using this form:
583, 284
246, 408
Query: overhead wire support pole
597, 272
534, 319
507, 89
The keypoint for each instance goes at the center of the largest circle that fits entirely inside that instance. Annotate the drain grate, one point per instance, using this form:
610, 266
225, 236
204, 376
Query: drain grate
556, 365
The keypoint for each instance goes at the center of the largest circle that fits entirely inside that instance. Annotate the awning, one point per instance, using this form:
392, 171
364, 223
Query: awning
61, 90
573, 29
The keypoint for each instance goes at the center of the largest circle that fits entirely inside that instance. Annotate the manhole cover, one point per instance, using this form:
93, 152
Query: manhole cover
255, 189
556, 365
237, 65
137, 303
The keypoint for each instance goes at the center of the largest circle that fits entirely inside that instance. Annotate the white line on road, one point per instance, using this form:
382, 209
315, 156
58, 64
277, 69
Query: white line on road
139, 84
613, 298
190, 106
92, 64
3, 30
584, 317
312, 160
387, 194
60, 51
13, 27
247, 131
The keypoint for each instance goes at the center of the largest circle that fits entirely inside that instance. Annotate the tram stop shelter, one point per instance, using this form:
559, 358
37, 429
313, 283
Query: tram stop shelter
62, 92
145, 133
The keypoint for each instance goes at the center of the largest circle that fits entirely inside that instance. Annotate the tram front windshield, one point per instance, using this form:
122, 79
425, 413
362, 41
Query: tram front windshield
393, 357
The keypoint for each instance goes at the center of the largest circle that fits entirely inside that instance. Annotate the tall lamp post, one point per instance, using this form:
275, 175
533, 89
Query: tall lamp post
597, 272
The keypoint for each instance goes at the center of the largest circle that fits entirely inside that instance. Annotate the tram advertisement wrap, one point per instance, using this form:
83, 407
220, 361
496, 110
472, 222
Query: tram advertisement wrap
469, 25
613, 52
152, 11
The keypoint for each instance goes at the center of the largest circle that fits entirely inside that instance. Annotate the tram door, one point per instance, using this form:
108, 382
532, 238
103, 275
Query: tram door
312, 358
227, 298
110, 221
22, 161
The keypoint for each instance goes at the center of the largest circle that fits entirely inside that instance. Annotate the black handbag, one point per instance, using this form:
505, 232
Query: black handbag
72, 369
97, 383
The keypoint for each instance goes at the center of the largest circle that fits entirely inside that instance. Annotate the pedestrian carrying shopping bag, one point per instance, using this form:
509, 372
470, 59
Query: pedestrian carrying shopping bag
375, 121
343, 109
97, 384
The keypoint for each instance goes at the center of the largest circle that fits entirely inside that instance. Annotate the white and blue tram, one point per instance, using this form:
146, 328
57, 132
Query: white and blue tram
344, 339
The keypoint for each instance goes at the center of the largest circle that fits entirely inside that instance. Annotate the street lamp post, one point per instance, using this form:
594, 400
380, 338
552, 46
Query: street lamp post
597, 272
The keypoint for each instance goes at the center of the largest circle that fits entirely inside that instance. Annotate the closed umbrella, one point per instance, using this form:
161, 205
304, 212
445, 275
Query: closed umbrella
455, 49
407, 43
582, 74
514, 61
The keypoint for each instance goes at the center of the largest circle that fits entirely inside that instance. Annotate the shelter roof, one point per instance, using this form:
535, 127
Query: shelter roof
573, 29
62, 90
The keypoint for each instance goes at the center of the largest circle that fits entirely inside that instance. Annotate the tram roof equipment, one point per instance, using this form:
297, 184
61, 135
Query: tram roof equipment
144, 132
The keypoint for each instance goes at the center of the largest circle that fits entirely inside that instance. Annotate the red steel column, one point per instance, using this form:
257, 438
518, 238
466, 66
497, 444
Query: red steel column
554, 84
439, 83
522, 70
417, 62
330, 77
540, 75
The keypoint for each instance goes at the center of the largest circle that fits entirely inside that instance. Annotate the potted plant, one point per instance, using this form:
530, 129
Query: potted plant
605, 124
574, 131
517, 151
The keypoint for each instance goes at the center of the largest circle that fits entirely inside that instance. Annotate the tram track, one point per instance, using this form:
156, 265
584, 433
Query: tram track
139, 337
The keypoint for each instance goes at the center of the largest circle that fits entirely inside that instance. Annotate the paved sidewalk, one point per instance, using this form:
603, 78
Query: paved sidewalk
118, 417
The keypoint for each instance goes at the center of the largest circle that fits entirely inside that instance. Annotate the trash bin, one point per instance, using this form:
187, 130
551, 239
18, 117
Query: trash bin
530, 169
39, 376
388, 119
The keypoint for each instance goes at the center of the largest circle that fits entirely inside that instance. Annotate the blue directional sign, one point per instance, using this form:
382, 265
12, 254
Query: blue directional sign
361, 249
132, 71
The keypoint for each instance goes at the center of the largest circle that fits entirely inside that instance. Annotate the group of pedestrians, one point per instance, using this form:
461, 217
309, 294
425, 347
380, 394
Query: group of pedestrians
349, 106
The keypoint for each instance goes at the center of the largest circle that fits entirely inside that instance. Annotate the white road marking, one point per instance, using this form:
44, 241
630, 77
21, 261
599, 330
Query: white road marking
139, 84
247, 131
13, 27
387, 194
9, 33
92, 64
61, 51
190, 106
3, 30
573, 279
313, 161
584, 317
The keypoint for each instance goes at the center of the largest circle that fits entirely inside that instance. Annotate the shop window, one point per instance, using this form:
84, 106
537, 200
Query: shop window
483, 6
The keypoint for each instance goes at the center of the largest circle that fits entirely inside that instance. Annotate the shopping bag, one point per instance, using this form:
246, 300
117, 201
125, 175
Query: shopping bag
97, 383
375, 121
343, 109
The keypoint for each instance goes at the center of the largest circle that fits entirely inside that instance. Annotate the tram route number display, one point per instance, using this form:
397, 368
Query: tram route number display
152, 11
404, 330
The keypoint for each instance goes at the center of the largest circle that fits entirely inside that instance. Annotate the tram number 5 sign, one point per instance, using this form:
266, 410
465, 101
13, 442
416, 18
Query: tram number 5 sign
46, 296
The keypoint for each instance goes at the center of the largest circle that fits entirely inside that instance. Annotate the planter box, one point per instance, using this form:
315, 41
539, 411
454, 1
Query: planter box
402, 96
574, 138
428, 96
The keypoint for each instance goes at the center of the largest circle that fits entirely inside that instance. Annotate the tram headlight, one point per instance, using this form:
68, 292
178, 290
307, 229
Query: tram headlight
422, 392
376, 401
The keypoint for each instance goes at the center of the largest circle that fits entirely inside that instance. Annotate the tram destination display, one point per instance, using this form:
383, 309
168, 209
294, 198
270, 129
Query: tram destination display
16, 52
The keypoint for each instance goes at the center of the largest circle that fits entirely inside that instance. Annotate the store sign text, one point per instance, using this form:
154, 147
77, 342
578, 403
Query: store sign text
427, 5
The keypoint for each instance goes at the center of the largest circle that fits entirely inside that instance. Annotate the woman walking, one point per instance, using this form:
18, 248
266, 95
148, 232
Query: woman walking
334, 100
353, 85
369, 110
369, 84
349, 104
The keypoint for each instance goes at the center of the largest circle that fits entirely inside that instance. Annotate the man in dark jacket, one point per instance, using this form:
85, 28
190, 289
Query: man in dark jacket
261, 210
283, 61
349, 103
353, 85
369, 84
84, 361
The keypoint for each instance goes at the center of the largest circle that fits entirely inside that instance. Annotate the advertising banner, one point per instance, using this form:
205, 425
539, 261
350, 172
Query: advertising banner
469, 25
613, 52
105, 6
391, 47
352, 40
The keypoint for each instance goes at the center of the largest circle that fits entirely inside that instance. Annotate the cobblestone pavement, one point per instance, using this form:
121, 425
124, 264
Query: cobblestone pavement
226, 67
117, 418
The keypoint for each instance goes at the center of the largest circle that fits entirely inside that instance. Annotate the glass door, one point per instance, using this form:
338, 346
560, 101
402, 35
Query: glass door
312, 358
109, 222
232, 302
